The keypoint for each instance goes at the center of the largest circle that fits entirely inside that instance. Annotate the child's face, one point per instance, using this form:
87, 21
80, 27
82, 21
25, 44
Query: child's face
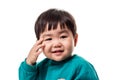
59, 43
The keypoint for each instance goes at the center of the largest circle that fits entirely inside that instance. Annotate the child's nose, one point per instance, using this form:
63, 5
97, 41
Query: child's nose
57, 44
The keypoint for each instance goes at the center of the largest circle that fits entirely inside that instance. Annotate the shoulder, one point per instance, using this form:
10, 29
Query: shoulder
79, 59
84, 69
81, 62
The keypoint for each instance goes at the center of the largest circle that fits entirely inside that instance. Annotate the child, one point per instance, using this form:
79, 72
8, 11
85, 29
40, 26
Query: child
56, 38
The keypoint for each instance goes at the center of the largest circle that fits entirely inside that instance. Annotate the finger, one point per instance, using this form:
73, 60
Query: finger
38, 42
39, 47
39, 52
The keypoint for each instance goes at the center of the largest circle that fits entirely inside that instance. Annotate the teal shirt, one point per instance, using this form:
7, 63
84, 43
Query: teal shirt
73, 68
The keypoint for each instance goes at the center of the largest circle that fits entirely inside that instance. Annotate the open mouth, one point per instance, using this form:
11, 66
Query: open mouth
58, 52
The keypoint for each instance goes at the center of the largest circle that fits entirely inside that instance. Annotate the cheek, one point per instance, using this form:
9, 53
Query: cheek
46, 47
69, 44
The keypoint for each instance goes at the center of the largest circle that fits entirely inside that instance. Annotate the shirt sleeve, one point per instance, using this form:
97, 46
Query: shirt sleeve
27, 72
87, 72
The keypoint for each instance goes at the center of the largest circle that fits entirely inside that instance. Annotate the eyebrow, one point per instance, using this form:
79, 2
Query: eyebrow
47, 35
63, 31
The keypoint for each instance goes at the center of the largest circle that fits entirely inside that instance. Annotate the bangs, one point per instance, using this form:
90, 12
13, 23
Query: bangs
51, 19
54, 25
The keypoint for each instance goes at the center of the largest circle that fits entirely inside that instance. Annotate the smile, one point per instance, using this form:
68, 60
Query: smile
58, 52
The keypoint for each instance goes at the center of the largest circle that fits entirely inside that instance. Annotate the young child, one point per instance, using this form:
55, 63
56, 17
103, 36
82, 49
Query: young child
56, 38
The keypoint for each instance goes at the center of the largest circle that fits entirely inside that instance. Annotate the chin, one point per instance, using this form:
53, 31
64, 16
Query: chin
58, 59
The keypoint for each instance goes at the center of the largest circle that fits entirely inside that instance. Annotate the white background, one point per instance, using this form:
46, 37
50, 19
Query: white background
98, 23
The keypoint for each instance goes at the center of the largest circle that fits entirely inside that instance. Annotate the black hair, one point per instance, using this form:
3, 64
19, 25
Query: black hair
51, 18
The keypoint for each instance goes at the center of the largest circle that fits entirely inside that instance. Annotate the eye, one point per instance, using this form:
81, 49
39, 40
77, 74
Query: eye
64, 36
48, 39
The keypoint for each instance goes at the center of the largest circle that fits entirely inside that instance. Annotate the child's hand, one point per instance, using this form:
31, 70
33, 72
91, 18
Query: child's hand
34, 52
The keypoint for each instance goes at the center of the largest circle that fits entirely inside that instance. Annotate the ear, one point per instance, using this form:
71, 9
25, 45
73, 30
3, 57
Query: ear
75, 39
